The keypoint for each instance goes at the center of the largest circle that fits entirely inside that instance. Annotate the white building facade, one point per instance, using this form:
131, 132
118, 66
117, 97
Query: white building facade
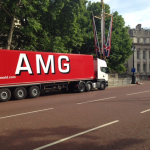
141, 41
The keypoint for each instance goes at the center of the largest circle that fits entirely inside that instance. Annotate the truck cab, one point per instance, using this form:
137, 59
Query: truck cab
101, 69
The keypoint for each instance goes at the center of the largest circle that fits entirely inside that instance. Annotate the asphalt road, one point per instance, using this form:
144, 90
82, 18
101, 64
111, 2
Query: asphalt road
117, 118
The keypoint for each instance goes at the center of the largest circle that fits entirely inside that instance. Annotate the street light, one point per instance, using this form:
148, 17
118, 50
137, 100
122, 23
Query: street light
133, 69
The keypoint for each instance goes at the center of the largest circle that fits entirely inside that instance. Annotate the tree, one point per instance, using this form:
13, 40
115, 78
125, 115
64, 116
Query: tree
62, 24
95, 8
86, 30
121, 42
50, 25
27, 12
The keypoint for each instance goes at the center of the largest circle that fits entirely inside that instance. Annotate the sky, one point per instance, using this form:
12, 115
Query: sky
133, 11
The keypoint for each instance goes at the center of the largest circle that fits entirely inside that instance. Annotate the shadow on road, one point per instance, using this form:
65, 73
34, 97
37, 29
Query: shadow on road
52, 93
28, 139
44, 94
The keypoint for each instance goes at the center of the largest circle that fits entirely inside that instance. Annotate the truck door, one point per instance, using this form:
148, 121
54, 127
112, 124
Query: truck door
104, 72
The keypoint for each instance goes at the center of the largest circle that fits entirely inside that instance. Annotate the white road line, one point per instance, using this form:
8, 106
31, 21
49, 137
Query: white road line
26, 113
75, 135
138, 93
96, 100
145, 111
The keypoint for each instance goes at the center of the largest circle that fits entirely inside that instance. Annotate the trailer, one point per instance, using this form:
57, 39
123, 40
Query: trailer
29, 73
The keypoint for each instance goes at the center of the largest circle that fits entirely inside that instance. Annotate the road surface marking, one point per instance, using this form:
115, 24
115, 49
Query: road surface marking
138, 93
75, 135
96, 100
145, 111
26, 113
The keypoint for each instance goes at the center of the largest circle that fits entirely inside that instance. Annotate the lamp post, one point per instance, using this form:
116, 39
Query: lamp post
133, 69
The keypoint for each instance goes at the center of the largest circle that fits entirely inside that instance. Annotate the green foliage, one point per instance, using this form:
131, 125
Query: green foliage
28, 13
61, 23
121, 44
62, 26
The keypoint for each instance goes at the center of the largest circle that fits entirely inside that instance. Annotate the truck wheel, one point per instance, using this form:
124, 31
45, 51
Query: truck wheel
81, 87
20, 93
88, 86
34, 91
102, 86
5, 95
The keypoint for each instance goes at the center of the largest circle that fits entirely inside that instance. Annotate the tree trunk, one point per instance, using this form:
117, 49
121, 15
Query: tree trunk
10, 35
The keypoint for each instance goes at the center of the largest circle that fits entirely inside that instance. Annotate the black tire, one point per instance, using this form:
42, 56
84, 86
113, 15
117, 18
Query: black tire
20, 93
5, 95
81, 87
34, 91
102, 86
88, 86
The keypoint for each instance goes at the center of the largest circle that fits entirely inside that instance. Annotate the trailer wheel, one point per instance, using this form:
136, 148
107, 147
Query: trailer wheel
5, 95
102, 86
81, 87
20, 93
34, 91
88, 86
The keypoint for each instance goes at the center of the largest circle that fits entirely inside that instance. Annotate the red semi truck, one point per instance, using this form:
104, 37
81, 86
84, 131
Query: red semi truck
25, 73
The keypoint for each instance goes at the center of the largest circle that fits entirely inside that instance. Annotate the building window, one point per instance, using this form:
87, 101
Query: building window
138, 54
135, 40
144, 67
143, 54
141, 40
138, 67
147, 40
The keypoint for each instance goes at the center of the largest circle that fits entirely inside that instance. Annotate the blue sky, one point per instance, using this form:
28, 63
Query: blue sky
133, 11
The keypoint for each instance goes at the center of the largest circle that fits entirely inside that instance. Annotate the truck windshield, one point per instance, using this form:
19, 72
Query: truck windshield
104, 69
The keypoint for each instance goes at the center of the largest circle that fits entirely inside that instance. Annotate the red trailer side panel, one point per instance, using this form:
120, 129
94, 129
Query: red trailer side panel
25, 67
